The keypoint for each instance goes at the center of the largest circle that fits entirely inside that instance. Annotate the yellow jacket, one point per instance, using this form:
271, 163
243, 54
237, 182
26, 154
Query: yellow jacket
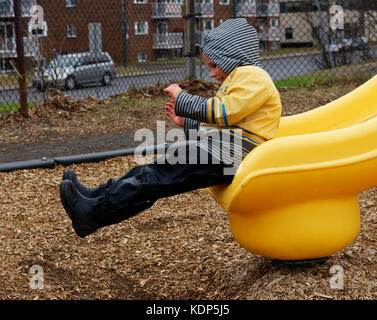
247, 100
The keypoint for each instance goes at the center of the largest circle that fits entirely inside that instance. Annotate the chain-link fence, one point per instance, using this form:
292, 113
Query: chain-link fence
101, 48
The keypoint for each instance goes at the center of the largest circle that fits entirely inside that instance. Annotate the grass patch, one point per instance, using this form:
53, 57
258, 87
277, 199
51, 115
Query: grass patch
160, 62
344, 74
8, 107
11, 79
288, 51
138, 107
122, 70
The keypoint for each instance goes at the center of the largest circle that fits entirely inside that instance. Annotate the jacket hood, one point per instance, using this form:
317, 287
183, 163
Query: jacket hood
232, 44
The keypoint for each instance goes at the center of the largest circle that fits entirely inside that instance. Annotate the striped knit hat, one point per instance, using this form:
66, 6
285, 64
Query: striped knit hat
232, 44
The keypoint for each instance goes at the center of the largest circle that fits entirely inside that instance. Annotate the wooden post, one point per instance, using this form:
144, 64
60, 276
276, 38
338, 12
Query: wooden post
20, 57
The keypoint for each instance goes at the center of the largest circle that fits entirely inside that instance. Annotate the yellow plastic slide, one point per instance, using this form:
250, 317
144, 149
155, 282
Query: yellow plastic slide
295, 197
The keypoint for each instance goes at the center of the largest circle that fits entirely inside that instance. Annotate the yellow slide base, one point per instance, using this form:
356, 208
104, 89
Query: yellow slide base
299, 231
295, 197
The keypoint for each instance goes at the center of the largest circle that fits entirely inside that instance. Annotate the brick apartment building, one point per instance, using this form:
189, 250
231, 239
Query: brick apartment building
130, 30
7, 34
67, 25
157, 28
64, 27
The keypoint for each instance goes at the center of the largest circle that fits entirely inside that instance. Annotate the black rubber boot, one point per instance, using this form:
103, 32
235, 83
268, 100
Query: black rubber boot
90, 214
87, 192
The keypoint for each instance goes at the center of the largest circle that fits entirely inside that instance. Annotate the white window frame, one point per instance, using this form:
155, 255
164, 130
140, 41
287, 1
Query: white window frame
212, 25
140, 1
70, 3
224, 2
137, 33
69, 35
162, 23
276, 22
142, 60
285, 33
3, 64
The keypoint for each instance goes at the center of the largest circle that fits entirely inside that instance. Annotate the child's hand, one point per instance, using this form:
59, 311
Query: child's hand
170, 112
173, 91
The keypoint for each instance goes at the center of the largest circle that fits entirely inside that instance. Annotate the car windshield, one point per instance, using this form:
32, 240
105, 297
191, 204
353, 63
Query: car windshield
61, 62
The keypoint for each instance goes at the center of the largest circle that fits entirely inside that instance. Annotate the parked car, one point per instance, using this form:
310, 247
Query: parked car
76, 69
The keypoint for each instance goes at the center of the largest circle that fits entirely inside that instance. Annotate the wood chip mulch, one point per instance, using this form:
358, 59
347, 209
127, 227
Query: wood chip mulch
170, 251
181, 248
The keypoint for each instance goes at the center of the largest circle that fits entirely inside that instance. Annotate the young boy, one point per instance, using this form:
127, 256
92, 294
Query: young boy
246, 108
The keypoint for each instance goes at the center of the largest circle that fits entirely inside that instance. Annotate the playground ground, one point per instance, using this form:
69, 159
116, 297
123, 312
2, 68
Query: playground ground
181, 248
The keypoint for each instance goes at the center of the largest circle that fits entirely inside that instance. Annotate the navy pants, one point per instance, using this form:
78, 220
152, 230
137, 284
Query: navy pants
143, 185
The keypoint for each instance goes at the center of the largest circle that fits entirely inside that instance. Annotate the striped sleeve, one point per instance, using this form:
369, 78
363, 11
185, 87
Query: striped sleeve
192, 107
210, 111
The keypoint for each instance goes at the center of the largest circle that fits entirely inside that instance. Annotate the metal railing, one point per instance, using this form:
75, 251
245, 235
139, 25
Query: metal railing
245, 9
164, 10
168, 40
204, 9
7, 8
268, 10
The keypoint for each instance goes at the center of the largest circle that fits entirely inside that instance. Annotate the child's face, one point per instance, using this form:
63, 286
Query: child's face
215, 71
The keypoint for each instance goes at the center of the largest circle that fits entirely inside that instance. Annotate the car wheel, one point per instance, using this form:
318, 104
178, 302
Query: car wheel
70, 83
106, 80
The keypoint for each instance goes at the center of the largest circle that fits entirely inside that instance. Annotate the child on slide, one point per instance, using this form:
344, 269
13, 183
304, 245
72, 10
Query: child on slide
244, 113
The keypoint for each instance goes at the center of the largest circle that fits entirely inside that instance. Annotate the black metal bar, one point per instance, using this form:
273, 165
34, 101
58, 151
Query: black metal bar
191, 46
234, 11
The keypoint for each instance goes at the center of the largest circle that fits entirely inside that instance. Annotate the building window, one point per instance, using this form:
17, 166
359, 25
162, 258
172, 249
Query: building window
288, 33
208, 25
71, 31
273, 22
224, 2
178, 53
70, 3
141, 28
274, 45
162, 54
261, 21
140, 1
5, 65
296, 6
141, 57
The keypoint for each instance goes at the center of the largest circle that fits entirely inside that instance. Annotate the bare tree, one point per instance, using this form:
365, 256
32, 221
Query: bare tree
48, 49
338, 44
